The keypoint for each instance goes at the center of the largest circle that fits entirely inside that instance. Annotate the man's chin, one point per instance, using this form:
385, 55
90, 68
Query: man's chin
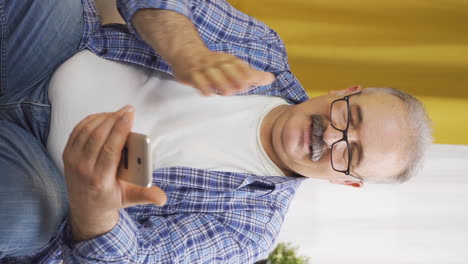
300, 160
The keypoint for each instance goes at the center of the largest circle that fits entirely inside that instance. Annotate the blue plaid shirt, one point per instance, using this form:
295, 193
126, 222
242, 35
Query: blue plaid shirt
210, 216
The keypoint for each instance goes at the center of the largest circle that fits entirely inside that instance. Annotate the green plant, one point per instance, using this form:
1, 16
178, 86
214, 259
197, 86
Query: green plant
285, 253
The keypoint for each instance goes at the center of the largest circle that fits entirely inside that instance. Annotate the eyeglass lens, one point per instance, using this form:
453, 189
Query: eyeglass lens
339, 119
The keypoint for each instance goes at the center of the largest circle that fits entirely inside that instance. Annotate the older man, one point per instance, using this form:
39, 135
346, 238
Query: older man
215, 197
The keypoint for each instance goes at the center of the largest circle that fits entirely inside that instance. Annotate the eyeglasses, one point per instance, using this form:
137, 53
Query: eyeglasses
340, 150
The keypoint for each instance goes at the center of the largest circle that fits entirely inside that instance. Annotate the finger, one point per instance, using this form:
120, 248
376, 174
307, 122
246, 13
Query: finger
111, 151
235, 75
82, 139
249, 74
134, 195
201, 83
97, 135
77, 130
261, 78
243, 68
216, 77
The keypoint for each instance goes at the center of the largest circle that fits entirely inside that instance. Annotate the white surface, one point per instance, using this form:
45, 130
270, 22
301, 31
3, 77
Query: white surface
423, 221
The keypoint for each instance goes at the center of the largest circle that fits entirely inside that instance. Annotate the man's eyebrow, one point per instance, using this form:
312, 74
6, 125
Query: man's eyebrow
358, 110
359, 151
359, 114
359, 157
356, 115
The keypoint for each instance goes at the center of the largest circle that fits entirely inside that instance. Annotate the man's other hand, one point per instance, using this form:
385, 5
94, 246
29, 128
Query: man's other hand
175, 38
91, 159
219, 72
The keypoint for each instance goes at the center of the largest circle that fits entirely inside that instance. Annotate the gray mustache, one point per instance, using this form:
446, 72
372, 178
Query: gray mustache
318, 145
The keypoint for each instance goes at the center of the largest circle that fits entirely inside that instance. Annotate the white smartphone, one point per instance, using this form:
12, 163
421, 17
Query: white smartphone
136, 163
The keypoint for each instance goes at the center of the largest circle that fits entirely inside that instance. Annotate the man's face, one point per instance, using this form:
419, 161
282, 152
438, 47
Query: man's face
377, 136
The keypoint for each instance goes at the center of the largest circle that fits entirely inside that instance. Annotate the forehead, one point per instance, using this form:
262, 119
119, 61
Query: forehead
382, 134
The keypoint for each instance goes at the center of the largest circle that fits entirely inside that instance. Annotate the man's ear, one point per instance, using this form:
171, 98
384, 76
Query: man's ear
353, 183
349, 90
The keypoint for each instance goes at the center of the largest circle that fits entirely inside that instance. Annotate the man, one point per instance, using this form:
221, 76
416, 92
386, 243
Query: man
209, 212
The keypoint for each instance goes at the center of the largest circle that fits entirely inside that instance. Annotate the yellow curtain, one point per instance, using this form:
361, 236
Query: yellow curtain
419, 46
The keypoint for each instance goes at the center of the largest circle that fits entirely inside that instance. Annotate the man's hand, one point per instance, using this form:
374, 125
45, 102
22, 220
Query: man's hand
176, 39
219, 72
91, 158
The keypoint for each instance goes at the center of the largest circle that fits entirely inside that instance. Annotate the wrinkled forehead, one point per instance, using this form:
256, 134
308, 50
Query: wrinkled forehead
383, 135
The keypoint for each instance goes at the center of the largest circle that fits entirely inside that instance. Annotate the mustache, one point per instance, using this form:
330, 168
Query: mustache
318, 144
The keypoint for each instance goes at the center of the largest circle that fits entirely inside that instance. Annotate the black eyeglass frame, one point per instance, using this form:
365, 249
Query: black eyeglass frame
345, 136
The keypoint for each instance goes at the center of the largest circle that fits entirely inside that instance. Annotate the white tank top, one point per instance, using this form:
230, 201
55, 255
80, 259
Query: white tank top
219, 133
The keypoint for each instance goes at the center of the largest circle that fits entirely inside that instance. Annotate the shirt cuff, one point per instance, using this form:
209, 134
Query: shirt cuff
128, 8
118, 244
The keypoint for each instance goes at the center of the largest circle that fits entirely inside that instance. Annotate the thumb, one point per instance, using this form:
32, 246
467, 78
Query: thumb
134, 195
263, 78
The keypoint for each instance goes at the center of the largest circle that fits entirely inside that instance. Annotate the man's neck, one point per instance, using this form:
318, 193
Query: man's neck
266, 136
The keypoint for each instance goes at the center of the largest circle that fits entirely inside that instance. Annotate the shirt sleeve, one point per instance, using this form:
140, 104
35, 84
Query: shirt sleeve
178, 238
128, 8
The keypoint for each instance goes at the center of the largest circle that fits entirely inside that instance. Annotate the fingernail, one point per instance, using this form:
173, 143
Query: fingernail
127, 108
126, 117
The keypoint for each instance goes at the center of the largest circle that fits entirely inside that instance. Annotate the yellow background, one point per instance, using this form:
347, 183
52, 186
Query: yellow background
418, 46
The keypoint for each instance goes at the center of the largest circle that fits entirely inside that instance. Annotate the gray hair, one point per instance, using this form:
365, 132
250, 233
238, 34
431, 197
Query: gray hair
421, 138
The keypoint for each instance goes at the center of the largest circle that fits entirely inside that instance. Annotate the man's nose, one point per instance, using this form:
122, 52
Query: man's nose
333, 135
